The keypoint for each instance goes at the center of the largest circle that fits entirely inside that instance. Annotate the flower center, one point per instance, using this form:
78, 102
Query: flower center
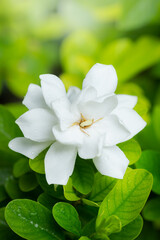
85, 123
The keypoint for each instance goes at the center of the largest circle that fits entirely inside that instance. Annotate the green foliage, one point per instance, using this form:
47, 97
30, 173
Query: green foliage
31, 220
3, 194
101, 187
69, 191
67, 217
110, 225
127, 198
21, 167
46, 200
83, 176
37, 164
28, 182
77, 52
127, 67
12, 188
151, 212
132, 150
5, 232
8, 128
50, 189
66, 38
150, 160
84, 238
132, 18
130, 231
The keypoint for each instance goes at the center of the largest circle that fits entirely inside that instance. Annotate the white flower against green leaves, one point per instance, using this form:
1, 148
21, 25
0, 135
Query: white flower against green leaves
90, 122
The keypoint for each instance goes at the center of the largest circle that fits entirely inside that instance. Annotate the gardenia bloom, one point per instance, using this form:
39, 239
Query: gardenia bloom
91, 121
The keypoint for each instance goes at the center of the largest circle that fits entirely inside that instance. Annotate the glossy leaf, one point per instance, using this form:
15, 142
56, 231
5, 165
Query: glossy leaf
37, 164
31, 220
69, 191
127, 198
130, 231
90, 203
67, 217
101, 187
111, 225
83, 176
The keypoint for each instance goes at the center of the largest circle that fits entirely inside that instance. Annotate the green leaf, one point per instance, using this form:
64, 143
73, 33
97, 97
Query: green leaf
3, 194
37, 164
17, 109
28, 182
77, 52
118, 54
108, 226
5, 232
127, 198
89, 228
84, 238
101, 187
83, 176
31, 220
130, 231
21, 167
50, 189
131, 17
46, 200
12, 188
69, 192
156, 120
67, 217
90, 203
148, 232
71, 80
151, 211
8, 128
4, 174
150, 160
132, 150
8, 158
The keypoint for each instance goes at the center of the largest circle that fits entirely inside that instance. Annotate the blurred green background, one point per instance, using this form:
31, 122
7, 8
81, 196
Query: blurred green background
66, 37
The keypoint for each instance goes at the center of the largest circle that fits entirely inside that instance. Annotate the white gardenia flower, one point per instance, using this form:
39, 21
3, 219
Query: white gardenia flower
90, 122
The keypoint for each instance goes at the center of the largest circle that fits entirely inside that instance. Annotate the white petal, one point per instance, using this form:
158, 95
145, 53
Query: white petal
127, 101
103, 78
87, 94
37, 124
52, 88
96, 110
130, 120
71, 136
34, 97
27, 147
59, 163
64, 113
92, 143
115, 131
112, 162
73, 93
